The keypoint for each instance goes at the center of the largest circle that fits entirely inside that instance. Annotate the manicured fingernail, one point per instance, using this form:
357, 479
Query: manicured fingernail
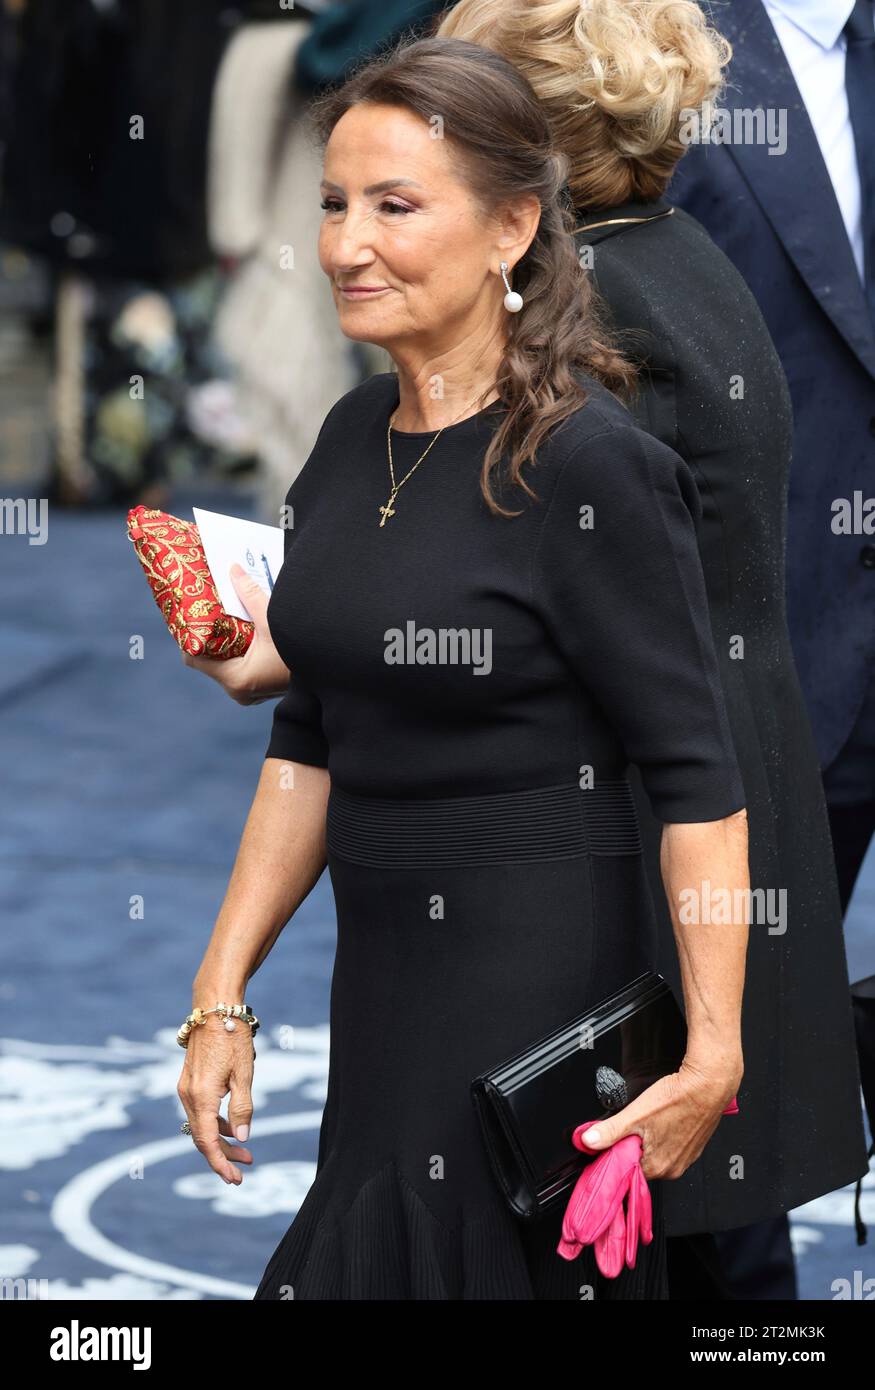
591, 1136
242, 1133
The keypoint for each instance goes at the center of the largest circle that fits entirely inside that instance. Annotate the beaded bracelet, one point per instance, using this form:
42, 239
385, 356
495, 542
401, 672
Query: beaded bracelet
227, 1011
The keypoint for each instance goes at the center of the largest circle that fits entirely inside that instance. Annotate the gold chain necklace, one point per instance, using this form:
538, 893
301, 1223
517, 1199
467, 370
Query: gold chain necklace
389, 510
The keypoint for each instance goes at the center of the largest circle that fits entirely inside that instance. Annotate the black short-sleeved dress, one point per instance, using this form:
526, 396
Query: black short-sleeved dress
476, 687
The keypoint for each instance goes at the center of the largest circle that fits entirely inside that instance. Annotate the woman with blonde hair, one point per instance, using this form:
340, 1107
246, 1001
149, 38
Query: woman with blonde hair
616, 79
623, 84
471, 803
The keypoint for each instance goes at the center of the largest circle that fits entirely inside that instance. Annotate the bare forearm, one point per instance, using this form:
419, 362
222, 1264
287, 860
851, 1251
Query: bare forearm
710, 860
281, 855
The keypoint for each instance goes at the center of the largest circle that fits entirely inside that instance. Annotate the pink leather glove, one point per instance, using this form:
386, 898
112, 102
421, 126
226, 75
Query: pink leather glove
595, 1215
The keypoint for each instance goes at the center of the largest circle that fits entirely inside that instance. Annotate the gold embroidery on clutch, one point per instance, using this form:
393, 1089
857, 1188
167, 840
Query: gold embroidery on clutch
183, 573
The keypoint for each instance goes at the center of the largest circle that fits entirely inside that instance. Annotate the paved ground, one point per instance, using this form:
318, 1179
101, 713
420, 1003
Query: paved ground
129, 779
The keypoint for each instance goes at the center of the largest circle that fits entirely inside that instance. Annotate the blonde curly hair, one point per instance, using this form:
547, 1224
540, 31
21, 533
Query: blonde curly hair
614, 77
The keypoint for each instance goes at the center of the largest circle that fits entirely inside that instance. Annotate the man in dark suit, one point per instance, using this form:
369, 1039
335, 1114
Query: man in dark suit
788, 192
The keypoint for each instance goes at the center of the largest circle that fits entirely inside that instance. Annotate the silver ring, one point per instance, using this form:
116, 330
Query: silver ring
185, 1127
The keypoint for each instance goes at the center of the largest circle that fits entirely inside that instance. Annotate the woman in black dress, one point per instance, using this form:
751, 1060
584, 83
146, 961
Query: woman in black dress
491, 601
615, 79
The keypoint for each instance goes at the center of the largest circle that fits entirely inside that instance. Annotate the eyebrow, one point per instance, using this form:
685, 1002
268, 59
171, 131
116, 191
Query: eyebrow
381, 187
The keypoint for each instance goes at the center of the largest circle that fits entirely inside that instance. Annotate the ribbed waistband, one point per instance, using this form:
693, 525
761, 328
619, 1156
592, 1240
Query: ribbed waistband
542, 823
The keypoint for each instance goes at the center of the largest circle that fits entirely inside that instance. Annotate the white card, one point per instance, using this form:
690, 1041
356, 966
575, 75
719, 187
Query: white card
258, 548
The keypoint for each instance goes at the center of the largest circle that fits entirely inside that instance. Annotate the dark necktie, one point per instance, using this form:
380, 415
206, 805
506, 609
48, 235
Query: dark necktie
860, 87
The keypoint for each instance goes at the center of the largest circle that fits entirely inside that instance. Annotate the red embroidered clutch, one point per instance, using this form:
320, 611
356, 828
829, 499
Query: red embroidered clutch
173, 558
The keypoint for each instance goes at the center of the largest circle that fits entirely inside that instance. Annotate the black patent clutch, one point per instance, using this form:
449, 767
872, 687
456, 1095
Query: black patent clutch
530, 1105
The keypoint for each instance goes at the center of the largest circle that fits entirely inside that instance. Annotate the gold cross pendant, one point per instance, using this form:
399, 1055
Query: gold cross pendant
387, 511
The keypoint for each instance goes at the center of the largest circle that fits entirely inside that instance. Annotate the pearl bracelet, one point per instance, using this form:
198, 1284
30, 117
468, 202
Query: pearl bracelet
227, 1011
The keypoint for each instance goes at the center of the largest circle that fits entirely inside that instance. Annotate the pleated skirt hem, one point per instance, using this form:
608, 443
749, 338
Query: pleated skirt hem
387, 1244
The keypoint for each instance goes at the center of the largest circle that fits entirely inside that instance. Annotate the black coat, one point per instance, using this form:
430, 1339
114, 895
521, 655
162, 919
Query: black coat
713, 388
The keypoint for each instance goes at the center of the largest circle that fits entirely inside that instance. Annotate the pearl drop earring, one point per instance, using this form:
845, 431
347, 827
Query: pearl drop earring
513, 302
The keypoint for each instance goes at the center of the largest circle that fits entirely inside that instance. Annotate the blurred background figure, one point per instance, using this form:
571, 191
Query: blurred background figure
105, 126
276, 324
799, 223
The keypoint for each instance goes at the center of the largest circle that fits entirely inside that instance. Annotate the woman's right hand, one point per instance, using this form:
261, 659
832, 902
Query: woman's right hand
216, 1062
260, 674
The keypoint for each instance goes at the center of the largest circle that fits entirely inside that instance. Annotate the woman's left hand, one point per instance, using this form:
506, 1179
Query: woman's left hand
675, 1117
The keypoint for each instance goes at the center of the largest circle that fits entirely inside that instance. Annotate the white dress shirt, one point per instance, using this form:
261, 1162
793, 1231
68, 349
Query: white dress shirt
810, 33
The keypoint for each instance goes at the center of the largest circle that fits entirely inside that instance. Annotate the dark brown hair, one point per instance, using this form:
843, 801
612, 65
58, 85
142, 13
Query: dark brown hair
502, 136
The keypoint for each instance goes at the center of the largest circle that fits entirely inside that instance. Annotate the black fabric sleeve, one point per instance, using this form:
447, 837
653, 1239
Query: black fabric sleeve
624, 598
297, 735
